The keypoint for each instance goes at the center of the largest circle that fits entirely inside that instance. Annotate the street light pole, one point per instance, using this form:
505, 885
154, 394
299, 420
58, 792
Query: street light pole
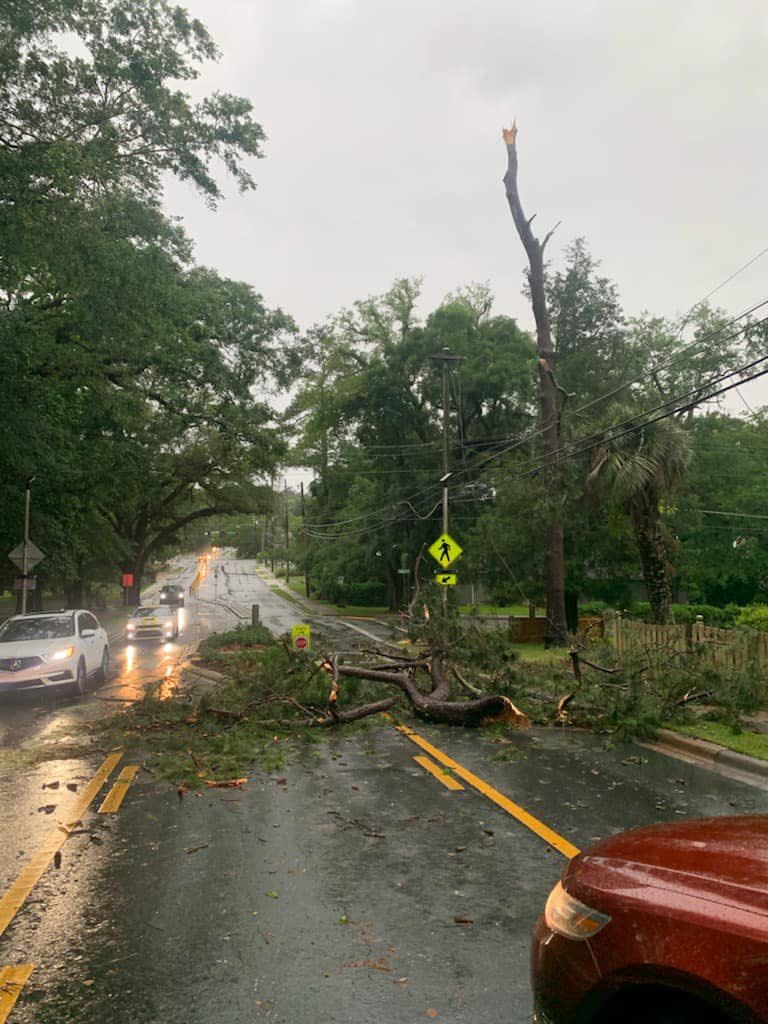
25, 558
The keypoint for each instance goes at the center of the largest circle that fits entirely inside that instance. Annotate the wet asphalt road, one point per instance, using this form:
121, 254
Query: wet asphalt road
325, 891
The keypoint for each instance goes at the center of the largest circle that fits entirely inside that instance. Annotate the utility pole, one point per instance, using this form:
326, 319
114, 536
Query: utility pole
306, 541
25, 566
287, 537
273, 530
446, 357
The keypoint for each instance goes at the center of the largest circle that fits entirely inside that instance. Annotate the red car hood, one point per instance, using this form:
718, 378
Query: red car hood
722, 856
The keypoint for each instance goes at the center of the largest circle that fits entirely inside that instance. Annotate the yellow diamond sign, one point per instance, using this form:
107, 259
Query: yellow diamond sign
445, 550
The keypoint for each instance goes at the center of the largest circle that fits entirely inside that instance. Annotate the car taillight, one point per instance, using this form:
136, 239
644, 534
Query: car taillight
65, 652
568, 916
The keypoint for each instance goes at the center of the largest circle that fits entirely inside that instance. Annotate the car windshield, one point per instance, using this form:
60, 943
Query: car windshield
142, 613
37, 627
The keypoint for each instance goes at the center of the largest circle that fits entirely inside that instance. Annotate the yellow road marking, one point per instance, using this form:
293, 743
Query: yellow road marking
12, 981
447, 780
116, 795
30, 875
543, 831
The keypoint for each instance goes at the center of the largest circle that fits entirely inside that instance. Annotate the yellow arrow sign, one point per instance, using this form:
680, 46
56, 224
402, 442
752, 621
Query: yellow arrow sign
445, 550
446, 579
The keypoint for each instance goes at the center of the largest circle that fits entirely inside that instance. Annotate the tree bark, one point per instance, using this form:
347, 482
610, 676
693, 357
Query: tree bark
437, 706
557, 630
653, 558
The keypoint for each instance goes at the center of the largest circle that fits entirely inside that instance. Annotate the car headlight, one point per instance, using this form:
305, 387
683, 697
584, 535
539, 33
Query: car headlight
61, 655
130, 626
570, 917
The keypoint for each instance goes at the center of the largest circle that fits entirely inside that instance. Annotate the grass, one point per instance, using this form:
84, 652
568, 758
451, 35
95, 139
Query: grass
540, 654
494, 609
297, 586
754, 744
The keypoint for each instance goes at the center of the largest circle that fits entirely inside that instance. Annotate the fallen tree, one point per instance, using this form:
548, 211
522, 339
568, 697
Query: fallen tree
433, 702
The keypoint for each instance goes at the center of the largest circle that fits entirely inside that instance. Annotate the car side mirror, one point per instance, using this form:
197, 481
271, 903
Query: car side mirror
85, 633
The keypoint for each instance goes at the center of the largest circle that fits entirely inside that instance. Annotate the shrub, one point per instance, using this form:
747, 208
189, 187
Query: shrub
592, 607
754, 617
372, 592
723, 618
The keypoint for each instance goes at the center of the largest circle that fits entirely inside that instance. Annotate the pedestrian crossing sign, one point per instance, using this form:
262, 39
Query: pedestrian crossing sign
446, 579
445, 550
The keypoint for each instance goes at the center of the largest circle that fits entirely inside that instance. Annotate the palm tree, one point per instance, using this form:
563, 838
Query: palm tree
638, 470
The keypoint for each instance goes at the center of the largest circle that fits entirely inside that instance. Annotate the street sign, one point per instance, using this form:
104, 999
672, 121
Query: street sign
126, 580
446, 579
22, 583
300, 637
445, 550
34, 555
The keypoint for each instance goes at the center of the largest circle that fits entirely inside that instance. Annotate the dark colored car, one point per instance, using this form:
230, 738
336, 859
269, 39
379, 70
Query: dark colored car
172, 593
666, 924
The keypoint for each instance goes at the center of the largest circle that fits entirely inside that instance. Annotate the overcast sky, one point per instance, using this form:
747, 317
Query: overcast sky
642, 128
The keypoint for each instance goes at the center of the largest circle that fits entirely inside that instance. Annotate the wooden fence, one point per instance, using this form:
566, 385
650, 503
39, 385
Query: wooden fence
727, 648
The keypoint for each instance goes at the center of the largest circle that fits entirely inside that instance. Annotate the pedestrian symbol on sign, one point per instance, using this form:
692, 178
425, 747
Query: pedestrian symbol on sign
445, 550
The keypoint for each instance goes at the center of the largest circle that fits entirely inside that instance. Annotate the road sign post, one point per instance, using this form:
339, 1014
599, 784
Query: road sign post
26, 555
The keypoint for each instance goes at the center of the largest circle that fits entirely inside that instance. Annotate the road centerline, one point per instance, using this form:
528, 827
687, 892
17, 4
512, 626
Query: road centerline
543, 831
18, 892
447, 780
12, 981
116, 795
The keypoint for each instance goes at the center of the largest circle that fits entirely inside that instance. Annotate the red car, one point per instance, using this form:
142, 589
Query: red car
661, 925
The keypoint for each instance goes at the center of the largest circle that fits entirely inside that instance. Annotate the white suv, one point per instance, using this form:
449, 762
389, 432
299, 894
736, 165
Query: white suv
42, 650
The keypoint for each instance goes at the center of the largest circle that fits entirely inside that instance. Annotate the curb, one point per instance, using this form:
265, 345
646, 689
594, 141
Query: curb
712, 754
206, 673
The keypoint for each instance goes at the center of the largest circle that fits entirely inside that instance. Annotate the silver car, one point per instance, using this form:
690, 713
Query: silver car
45, 650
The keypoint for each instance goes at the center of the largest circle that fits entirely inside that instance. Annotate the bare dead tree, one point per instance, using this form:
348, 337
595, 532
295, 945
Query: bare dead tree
557, 631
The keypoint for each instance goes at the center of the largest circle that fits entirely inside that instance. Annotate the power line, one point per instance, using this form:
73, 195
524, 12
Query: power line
563, 453
573, 449
728, 280
701, 390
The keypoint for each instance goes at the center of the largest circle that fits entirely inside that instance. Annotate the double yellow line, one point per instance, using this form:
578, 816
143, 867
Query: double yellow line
538, 827
13, 978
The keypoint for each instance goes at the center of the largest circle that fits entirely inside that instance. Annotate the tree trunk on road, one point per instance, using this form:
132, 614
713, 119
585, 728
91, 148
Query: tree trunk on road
435, 706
